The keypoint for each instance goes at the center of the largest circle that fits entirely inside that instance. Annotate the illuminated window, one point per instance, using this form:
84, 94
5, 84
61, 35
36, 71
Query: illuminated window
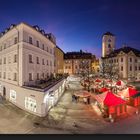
30, 104
12, 95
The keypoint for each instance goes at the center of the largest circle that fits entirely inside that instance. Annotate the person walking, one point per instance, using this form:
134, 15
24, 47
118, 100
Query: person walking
73, 98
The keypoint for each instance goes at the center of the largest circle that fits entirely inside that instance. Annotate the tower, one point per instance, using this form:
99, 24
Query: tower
108, 43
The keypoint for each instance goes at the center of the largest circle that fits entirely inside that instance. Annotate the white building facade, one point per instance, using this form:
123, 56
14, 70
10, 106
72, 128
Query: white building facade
26, 56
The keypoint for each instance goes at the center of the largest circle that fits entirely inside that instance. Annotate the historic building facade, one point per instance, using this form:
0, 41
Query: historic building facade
26, 56
95, 65
77, 62
125, 60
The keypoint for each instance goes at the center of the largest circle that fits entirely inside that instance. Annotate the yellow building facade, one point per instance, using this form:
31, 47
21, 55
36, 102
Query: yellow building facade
59, 56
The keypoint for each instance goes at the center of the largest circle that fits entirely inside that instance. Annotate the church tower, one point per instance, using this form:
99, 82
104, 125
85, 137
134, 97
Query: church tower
108, 43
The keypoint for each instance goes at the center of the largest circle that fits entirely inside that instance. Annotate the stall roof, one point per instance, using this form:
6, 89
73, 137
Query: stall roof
112, 100
129, 92
98, 80
100, 97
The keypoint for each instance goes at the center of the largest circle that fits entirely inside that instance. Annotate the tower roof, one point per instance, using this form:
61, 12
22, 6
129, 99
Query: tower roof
108, 33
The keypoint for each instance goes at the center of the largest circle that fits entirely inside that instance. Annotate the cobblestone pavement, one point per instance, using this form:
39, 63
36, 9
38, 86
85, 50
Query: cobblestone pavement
63, 116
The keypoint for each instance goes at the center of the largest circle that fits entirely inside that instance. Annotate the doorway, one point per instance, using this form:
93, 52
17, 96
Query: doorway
4, 92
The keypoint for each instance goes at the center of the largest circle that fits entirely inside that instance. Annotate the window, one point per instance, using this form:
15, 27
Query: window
15, 76
9, 59
37, 76
109, 40
139, 67
30, 59
4, 46
130, 59
30, 104
122, 68
47, 49
15, 58
43, 46
47, 62
121, 59
9, 76
13, 95
0, 61
37, 43
130, 68
50, 51
37, 59
43, 75
5, 60
16, 40
43, 63
30, 40
50, 63
30, 77
0, 74
136, 60
0, 48
69, 67
135, 68
109, 46
4, 75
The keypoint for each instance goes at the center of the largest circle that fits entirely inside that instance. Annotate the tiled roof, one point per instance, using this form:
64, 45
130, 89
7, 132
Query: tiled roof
125, 50
77, 55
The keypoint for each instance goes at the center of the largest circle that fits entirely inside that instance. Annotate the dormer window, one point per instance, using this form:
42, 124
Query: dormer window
12, 26
43, 32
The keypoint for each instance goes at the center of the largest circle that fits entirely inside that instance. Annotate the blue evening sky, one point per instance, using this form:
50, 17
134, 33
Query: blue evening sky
77, 24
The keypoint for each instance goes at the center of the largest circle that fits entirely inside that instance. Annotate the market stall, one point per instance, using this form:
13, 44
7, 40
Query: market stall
114, 106
131, 95
82, 96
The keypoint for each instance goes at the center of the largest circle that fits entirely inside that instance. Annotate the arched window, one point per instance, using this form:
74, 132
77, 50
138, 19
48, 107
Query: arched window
109, 40
109, 46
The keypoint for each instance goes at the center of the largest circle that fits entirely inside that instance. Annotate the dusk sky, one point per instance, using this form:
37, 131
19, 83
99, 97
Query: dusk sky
77, 24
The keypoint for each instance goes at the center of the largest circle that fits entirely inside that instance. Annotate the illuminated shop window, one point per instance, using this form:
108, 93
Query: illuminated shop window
30, 104
12, 95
